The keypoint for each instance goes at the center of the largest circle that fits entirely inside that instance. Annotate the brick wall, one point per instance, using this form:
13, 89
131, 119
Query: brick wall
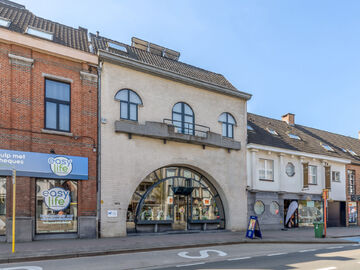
22, 120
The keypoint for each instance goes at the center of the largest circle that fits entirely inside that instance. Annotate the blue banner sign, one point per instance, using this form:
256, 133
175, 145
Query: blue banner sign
42, 165
253, 228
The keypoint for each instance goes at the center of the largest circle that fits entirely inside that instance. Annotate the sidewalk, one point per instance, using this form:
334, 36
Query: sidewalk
59, 249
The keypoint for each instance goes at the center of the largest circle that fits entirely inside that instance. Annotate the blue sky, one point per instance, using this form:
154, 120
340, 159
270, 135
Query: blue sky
298, 56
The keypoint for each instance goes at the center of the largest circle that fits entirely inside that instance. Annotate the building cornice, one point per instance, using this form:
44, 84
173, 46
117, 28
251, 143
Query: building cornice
45, 46
251, 146
137, 65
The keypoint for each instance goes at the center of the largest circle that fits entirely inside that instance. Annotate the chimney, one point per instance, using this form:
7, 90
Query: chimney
97, 33
359, 135
289, 118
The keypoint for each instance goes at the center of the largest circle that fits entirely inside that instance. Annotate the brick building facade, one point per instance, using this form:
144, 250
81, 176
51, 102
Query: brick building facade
352, 188
48, 100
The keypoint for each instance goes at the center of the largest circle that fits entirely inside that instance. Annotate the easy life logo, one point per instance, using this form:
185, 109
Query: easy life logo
57, 198
60, 166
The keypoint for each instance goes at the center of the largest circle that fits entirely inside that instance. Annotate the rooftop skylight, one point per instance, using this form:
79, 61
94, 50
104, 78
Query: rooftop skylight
343, 149
4, 22
250, 127
352, 152
327, 147
39, 33
273, 132
294, 136
116, 46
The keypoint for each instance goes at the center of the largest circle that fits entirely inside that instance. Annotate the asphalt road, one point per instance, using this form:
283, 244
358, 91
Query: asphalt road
244, 256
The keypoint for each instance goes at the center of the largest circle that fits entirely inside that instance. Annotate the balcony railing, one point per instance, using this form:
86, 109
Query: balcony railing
188, 128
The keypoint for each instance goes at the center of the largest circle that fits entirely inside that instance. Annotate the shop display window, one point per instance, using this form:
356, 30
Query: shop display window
2, 206
274, 208
310, 212
56, 206
352, 212
259, 207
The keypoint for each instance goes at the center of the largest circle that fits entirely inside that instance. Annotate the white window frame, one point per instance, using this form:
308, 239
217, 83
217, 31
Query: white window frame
335, 176
266, 169
312, 175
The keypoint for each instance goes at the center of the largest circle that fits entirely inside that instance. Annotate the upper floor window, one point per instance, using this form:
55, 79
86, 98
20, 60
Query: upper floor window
335, 175
183, 118
57, 105
228, 123
129, 102
266, 169
312, 175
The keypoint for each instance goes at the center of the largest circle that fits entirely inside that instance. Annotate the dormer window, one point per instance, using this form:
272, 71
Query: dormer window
273, 132
352, 152
117, 46
4, 22
39, 33
294, 136
327, 147
250, 127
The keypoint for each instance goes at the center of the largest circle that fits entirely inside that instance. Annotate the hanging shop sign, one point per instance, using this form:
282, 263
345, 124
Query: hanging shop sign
42, 165
253, 228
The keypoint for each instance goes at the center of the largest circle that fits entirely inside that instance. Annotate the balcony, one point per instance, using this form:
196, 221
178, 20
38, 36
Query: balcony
169, 130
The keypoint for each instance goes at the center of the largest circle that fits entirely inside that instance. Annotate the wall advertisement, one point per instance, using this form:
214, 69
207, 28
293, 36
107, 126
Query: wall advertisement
42, 165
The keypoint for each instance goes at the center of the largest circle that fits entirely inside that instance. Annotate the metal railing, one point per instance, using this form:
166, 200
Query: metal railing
188, 128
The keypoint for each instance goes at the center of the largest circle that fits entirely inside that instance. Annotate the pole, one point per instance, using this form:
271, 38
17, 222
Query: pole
13, 212
325, 195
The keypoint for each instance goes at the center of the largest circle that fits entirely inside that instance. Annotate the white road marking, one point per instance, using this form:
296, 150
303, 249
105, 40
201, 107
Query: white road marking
203, 254
237, 259
335, 247
189, 264
307, 250
356, 245
327, 268
23, 268
276, 254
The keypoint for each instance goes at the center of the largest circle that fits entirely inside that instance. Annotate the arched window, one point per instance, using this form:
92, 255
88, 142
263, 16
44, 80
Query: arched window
129, 102
183, 118
228, 122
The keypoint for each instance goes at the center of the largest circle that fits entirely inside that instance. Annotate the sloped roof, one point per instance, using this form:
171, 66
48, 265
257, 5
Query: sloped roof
21, 19
311, 138
99, 43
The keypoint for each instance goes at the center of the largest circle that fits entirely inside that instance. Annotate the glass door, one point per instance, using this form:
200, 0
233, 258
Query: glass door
180, 212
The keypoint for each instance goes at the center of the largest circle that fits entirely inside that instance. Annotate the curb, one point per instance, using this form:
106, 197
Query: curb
31, 257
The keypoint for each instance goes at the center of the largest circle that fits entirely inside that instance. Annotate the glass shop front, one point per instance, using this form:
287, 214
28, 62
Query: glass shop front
310, 212
175, 198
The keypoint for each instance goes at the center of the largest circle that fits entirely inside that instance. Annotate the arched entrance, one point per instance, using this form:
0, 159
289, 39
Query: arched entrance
175, 198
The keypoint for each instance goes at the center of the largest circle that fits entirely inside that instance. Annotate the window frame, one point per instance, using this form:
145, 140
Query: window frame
183, 115
311, 175
128, 104
351, 186
334, 179
57, 102
266, 169
227, 125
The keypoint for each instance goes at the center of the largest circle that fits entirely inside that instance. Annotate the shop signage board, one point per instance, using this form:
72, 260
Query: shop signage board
253, 229
42, 165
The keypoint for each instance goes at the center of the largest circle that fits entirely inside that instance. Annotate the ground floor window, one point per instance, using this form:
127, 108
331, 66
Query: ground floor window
2, 206
352, 212
56, 206
310, 212
177, 198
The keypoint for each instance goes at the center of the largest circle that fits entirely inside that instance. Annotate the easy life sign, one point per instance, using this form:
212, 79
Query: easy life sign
42, 165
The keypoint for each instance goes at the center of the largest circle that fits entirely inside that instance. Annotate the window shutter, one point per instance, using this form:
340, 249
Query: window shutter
306, 174
327, 177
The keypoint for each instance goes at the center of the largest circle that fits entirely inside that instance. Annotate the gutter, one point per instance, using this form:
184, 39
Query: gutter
98, 200
138, 65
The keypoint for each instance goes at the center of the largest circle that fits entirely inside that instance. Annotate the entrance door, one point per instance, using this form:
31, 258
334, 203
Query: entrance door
180, 212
